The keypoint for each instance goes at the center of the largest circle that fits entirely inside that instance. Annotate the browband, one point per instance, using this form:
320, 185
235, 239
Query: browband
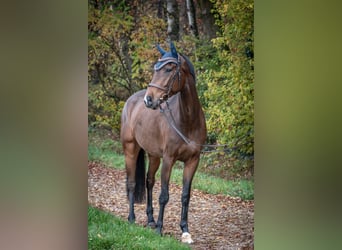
163, 61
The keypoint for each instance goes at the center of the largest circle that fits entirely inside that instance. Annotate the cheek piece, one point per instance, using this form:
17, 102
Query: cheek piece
158, 66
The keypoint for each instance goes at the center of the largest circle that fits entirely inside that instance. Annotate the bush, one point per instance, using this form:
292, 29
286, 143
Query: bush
230, 87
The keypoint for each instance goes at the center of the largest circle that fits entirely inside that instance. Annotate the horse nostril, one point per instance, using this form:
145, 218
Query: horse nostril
148, 101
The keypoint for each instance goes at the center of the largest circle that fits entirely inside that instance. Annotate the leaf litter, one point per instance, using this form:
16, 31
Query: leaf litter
215, 221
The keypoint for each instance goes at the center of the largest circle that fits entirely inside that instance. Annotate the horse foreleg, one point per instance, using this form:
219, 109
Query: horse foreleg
164, 194
188, 173
150, 180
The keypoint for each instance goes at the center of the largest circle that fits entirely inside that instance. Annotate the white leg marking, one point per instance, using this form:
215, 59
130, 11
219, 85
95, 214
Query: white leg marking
186, 238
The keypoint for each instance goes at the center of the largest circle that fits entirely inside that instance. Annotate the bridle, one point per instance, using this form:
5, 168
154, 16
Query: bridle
158, 66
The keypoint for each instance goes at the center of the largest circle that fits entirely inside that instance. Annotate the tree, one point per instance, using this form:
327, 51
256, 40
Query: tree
230, 94
209, 27
172, 20
192, 17
120, 55
160, 13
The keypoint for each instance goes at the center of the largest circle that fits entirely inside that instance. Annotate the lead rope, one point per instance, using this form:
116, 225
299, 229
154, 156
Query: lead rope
171, 123
188, 141
185, 139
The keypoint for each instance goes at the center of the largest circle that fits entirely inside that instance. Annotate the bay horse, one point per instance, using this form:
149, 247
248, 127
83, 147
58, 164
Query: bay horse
174, 132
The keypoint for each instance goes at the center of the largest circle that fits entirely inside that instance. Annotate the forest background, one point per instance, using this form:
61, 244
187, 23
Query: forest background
218, 38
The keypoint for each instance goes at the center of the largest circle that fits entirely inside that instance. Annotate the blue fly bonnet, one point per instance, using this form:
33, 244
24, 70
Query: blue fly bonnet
167, 57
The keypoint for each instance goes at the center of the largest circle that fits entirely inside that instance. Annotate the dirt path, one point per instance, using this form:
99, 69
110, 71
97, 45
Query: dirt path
215, 221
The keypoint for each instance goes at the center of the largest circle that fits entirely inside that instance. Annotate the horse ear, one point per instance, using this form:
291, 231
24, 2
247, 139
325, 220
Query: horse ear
162, 52
173, 50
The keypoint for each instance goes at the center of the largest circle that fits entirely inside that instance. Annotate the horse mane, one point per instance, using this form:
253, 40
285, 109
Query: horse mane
191, 66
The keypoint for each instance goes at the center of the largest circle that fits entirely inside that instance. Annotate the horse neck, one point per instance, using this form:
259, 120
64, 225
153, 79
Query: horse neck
189, 105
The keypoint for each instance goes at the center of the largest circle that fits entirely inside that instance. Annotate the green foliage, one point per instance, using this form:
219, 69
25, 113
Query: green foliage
101, 148
148, 32
103, 111
230, 93
108, 76
105, 231
120, 57
108, 34
121, 54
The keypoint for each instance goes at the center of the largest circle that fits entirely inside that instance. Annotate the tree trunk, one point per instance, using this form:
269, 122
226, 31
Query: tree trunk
183, 19
208, 22
160, 13
172, 20
192, 17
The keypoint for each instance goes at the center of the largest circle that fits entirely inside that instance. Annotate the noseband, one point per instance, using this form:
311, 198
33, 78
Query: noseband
158, 66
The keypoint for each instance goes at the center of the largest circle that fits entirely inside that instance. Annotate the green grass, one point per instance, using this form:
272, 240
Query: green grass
105, 231
105, 150
214, 185
106, 156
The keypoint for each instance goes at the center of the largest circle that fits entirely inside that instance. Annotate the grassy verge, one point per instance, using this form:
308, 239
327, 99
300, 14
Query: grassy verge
106, 231
108, 151
214, 185
106, 156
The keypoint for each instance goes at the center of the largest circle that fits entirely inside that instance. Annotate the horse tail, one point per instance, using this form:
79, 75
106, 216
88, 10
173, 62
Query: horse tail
140, 176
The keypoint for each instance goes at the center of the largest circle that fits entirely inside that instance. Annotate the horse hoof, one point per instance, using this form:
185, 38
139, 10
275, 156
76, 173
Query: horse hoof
186, 238
152, 225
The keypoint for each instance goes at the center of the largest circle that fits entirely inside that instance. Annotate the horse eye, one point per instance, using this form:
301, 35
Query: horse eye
168, 70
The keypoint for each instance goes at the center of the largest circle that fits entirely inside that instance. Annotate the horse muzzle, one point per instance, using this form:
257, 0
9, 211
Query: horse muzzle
150, 103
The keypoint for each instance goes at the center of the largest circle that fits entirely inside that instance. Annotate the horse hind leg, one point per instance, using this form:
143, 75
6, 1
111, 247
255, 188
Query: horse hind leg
130, 185
135, 182
150, 180
139, 190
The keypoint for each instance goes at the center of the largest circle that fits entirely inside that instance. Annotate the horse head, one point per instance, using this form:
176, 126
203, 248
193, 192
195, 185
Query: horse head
166, 80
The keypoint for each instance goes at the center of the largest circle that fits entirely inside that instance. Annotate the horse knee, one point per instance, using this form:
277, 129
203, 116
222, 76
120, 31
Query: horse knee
150, 183
164, 198
149, 210
130, 186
